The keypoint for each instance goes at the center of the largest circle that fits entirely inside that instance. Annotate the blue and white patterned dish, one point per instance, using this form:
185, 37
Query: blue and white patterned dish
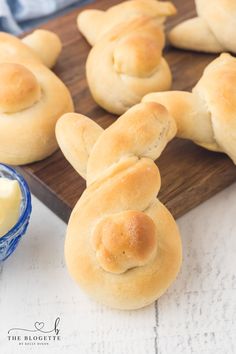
9, 242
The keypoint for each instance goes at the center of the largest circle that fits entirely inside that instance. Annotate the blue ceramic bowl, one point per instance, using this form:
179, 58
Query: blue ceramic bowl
9, 242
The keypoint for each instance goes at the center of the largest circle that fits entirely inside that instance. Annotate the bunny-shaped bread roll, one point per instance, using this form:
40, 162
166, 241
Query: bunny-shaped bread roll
94, 24
122, 245
32, 98
212, 31
126, 64
126, 61
208, 114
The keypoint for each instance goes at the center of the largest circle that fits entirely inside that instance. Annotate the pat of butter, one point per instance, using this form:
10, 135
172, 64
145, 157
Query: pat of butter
10, 201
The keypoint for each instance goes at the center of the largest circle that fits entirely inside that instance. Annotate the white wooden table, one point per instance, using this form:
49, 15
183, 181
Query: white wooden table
196, 315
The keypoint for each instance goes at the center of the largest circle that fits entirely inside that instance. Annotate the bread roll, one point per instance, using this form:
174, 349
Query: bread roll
122, 245
32, 98
120, 69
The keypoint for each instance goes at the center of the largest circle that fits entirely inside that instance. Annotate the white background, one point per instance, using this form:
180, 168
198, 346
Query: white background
196, 315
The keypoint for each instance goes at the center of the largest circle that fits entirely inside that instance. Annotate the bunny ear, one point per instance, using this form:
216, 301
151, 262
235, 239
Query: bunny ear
190, 114
76, 136
45, 44
195, 34
143, 131
94, 24
90, 24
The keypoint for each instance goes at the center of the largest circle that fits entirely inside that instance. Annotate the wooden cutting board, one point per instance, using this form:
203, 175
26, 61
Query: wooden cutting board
190, 174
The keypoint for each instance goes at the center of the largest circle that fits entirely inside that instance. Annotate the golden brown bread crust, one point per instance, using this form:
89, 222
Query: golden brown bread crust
19, 88
132, 56
141, 285
11, 48
77, 138
124, 241
217, 90
45, 44
212, 31
220, 16
192, 119
123, 38
150, 124
120, 69
94, 24
194, 34
122, 245
32, 99
208, 114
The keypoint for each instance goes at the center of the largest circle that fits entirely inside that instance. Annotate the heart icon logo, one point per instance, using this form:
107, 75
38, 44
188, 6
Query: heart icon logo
39, 325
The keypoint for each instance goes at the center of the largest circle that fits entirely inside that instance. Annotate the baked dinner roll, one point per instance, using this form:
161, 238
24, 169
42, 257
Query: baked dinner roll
126, 64
93, 24
208, 114
32, 99
212, 31
122, 245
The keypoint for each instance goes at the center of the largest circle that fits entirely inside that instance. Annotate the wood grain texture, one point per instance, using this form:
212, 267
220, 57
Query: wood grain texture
189, 173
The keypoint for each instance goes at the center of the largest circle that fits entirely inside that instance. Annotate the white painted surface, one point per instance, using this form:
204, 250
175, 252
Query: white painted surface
196, 315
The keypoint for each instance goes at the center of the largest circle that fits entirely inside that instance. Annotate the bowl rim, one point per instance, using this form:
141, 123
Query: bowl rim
26, 195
